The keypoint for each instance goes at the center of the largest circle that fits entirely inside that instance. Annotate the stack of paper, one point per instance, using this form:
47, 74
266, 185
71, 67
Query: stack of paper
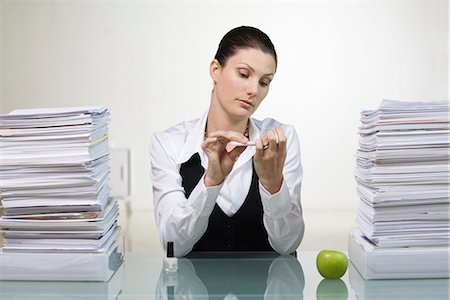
54, 181
403, 176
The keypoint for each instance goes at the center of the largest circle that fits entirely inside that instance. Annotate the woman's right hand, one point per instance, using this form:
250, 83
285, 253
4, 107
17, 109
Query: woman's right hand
221, 161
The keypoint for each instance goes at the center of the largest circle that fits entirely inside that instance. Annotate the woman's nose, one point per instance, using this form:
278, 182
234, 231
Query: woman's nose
252, 87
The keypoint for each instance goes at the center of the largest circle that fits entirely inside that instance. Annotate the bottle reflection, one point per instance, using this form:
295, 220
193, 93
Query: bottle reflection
270, 277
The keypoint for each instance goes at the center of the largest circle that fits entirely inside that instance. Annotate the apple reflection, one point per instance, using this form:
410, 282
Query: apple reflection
218, 277
329, 289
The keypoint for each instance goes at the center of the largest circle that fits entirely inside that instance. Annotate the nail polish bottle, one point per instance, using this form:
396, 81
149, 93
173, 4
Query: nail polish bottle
170, 263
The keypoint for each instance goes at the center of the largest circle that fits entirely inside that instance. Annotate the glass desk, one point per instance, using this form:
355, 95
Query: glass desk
235, 276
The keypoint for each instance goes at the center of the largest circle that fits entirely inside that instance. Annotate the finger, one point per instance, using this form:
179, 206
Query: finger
265, 140
229, 159
235, 153
209, 140
274, 130
282, 140
213, 144
259, 149
229, 136
229, 147
272, 140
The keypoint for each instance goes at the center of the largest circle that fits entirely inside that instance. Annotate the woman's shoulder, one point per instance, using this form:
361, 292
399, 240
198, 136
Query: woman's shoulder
269, 123
180, 129
174, 138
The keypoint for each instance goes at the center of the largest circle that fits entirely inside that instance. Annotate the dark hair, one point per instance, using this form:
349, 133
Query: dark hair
244, 37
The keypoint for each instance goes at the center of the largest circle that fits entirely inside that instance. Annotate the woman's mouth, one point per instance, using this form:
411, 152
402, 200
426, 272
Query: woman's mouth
246, 103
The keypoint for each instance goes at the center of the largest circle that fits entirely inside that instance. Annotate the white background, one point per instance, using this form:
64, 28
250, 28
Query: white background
148, 63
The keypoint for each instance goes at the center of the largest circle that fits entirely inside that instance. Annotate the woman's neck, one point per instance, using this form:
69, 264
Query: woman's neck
221, 121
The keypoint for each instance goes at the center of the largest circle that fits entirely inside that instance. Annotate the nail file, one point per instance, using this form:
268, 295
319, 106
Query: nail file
249, 143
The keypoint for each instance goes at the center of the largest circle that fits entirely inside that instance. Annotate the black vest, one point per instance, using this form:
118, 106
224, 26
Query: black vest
244, 231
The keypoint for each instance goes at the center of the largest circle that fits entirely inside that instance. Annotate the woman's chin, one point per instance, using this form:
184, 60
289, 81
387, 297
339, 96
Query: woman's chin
244, 112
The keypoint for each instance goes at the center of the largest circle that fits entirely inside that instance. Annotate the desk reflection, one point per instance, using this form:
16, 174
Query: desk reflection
220, 277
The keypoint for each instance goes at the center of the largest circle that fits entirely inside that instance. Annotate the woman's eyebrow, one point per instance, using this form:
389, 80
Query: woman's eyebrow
253, 70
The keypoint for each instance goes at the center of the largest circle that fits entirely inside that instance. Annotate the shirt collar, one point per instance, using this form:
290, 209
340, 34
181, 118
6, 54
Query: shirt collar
194, 140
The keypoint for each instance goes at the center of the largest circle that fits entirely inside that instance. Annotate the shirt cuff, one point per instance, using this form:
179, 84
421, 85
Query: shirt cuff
202, 199
276, 205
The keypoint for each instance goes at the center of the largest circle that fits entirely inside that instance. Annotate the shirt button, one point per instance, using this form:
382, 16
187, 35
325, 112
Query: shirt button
229, 226
229, 245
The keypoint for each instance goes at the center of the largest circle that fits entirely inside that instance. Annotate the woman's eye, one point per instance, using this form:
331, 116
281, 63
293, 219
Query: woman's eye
264, 83
243, 75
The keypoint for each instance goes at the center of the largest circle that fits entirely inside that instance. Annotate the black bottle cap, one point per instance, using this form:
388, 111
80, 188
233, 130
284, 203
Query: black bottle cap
169, 249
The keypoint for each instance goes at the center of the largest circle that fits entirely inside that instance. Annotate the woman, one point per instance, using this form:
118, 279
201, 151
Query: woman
213, 191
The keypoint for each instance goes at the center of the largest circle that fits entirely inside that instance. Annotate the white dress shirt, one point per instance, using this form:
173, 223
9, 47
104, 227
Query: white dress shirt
184, 221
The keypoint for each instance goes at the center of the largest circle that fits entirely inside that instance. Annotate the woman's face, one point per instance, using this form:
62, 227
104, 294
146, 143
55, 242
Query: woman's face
243, 82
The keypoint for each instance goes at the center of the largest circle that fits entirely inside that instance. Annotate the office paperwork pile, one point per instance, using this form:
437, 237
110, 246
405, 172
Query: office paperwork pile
57, 219
403, 175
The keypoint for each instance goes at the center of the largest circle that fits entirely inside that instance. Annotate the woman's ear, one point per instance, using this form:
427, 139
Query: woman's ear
214, 69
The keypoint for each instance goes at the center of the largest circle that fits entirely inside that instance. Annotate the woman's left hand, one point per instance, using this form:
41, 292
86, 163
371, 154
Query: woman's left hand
269, 159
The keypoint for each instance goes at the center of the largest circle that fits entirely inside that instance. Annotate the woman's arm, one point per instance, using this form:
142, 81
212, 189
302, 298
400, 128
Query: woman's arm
283, 218
181, 220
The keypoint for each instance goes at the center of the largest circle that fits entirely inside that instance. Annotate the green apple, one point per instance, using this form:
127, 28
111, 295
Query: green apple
331, 264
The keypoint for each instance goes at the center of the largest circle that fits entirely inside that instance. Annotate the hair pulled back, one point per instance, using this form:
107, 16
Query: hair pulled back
244, 37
